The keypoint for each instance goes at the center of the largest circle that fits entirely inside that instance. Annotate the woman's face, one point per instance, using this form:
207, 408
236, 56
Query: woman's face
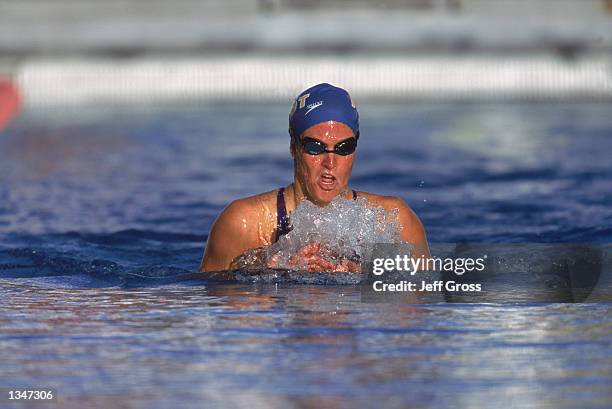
325, 176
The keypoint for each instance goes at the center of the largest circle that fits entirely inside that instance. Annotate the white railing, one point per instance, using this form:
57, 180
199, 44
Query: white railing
57, 83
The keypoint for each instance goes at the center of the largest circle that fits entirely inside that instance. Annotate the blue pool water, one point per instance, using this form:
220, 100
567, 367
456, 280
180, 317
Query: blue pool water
104, 213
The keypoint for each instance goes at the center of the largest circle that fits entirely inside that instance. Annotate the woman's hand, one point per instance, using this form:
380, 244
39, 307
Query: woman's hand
317, 257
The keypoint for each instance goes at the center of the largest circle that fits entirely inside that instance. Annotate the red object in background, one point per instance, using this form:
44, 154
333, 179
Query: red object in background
10, 102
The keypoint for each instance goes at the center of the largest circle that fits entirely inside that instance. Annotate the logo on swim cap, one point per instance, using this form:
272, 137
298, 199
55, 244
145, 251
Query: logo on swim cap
322, 103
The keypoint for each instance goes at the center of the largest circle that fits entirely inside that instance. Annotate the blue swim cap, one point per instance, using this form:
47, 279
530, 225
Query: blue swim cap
322, 103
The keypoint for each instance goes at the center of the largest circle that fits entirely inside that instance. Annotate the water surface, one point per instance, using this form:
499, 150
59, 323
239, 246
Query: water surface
104, 212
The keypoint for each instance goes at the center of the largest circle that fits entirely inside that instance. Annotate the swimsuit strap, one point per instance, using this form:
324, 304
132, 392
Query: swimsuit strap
282, 221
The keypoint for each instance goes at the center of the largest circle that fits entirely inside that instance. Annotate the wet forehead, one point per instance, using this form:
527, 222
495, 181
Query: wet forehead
329, 132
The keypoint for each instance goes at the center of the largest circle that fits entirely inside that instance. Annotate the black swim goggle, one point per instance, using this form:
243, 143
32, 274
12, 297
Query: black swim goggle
342, 148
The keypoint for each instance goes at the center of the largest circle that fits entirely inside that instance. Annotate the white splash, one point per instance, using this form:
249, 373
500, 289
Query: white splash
341, 233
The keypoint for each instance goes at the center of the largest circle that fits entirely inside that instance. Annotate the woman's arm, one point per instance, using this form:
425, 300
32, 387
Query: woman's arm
233, 233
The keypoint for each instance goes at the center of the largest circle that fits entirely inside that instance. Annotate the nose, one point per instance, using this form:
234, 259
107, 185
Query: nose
329, 160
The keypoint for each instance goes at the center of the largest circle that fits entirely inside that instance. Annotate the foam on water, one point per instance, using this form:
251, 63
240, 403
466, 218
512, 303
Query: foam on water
341, 233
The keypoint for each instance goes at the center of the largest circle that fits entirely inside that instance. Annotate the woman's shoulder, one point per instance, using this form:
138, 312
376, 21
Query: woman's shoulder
387, 202
254, 202
253, 216
411, 226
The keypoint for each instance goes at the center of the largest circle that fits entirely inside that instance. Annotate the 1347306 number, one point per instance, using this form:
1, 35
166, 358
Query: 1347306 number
27, 394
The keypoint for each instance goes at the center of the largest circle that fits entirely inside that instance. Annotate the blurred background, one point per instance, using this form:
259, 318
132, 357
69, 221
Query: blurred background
71, 51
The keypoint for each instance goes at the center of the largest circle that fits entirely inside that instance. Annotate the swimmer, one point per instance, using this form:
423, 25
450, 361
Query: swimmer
324, 131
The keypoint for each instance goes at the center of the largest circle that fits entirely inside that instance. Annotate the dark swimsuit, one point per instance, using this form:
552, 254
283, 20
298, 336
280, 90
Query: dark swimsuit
282, 219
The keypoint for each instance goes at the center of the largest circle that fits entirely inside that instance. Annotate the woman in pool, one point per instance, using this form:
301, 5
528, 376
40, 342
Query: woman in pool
324, 130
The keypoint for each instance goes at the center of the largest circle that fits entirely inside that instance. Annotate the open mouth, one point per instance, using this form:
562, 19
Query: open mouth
327, 182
